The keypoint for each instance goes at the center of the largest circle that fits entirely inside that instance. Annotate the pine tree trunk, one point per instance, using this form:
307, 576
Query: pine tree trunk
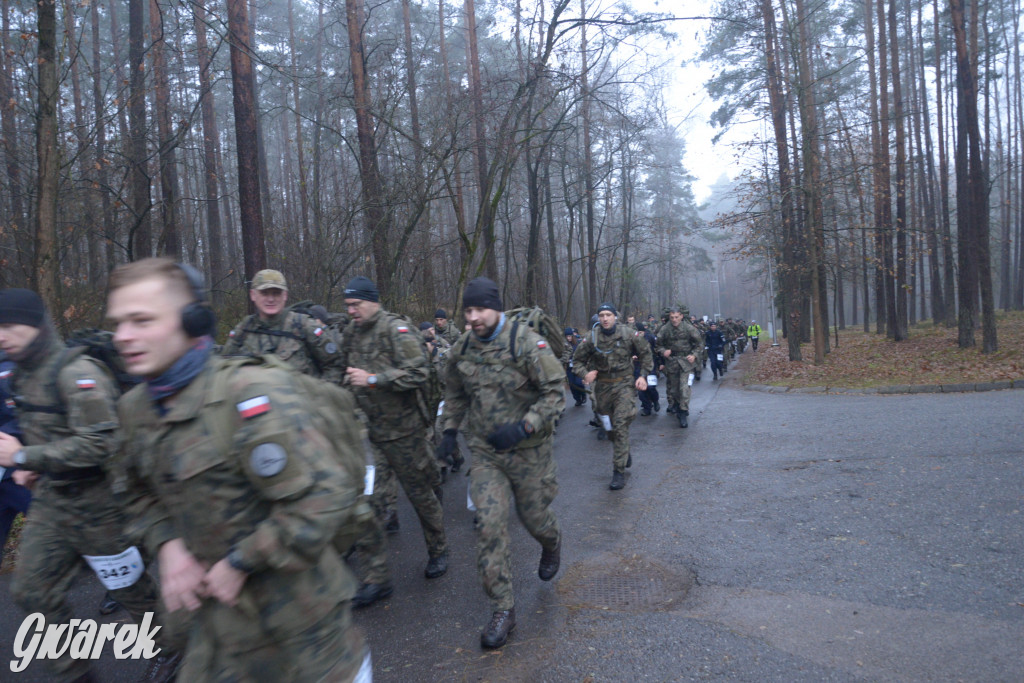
45, 278
140, 231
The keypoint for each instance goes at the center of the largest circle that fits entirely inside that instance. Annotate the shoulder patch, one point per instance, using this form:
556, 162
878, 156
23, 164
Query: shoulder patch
402, 328
85, 383
10, 403
318, 331
331, 347
541, 344
268, 459
5, 374
231, 333
253, 407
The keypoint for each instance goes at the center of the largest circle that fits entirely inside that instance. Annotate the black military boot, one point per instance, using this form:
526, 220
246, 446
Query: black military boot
497, 631
437, 566
370, 593
108, 605
671, 408
657, 406
682, 418
618, 481
550, 561
459, 461
645, 412
391, 525
629, 460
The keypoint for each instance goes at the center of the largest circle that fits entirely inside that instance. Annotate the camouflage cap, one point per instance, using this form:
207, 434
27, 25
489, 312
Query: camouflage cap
269, 279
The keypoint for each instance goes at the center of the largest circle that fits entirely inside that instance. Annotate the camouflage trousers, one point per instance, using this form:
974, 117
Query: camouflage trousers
617, 400
366, 537
527, 477
330, 650
679, 389
59, 529
410, 461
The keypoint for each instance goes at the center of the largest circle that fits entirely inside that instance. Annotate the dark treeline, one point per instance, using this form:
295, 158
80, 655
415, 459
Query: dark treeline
419, 143
888, 185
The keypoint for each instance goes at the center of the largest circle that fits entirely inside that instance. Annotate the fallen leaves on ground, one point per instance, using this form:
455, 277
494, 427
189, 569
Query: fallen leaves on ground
929, 356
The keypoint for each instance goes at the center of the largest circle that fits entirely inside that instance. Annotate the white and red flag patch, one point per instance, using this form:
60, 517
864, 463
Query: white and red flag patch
318, 331
5, 374
231, 333
542, 344
403, 328
86, 383
253, 407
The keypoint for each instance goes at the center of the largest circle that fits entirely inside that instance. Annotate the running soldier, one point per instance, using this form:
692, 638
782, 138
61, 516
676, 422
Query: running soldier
680, 344
605, 360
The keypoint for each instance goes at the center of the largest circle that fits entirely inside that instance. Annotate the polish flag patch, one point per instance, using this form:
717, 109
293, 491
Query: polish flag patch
5, 374
403, 329
253, 407
318, 331
231, 333
542, 344
86, 383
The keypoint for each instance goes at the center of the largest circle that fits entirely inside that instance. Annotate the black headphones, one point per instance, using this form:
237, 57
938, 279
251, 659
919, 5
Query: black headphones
197, 319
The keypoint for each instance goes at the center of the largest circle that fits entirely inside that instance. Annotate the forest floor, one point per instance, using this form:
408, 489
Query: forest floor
929, 356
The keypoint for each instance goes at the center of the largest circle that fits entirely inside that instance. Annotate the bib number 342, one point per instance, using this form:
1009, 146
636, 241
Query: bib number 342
117, 571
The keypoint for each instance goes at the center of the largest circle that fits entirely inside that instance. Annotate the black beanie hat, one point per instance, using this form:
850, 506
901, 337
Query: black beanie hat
425, 326
21, 307
607, 307
363, 288
441, 313
483, 292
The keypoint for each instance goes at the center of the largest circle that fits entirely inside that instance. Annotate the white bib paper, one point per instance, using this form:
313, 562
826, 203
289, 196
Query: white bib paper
440, 409
721, 357
652, 380
469, 499
365, 673
117, 571
607, 422
689, 380
368, 480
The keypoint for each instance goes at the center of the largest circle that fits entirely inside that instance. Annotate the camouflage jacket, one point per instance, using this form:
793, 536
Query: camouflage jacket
612, 354
450, 333
488, 387
236, 465
295, 338
76, 432
392, 349
681, 341
439, 356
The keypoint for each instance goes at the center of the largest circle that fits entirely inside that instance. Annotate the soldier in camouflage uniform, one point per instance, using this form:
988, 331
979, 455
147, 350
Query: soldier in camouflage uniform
387, 368
298, 339
505, 393
69, 424
231, 484
443, 328
680, 344
605, 360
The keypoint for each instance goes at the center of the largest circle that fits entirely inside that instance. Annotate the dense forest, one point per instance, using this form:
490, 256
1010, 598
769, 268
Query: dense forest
424, 143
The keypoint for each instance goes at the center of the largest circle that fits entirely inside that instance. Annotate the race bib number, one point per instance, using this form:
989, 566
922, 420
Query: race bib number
117, 571
689, 380
440, 409
368, 480
652, 380
721, 357
607, 422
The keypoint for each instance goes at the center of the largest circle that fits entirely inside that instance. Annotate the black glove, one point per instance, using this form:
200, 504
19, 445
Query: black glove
505, 437
446, 449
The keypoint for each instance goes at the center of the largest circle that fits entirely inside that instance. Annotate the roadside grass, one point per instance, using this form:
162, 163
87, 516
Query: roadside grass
929, 356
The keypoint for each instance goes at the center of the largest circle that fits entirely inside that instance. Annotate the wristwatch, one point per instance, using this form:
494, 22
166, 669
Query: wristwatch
371, 380
19, 457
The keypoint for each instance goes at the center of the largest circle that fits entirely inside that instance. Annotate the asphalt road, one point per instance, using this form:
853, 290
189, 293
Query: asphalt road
779, 538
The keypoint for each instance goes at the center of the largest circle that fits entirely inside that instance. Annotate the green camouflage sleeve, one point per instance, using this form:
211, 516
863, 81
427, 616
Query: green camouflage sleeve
410, 367
323, 346
89, 395
581, 358
233, 347
456, 400
547, 373
292, 467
